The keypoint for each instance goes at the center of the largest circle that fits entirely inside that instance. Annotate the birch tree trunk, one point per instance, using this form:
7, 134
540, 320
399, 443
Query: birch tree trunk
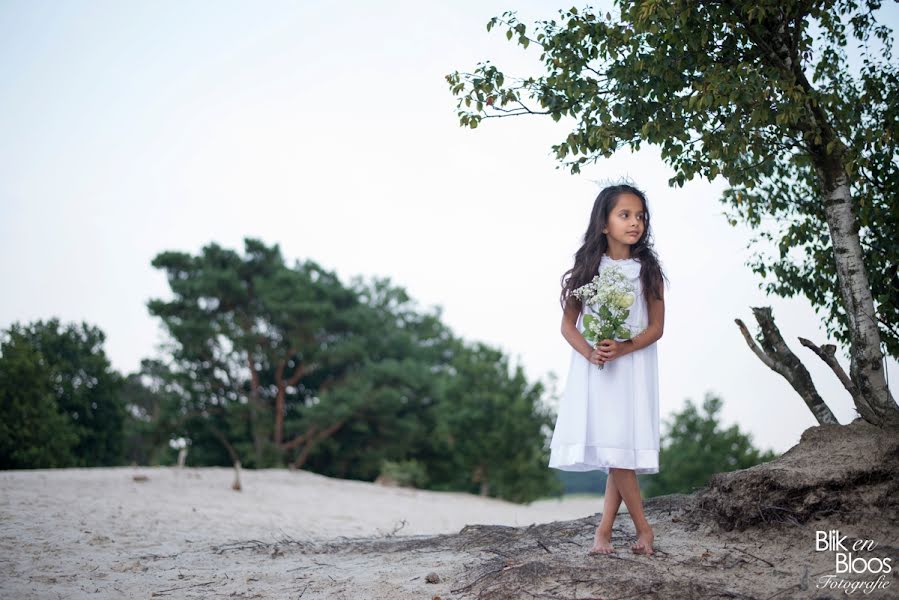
828, 155
866, 359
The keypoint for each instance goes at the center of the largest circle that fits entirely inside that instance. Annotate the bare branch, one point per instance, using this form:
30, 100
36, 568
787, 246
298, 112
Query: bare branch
827, 354
778, 357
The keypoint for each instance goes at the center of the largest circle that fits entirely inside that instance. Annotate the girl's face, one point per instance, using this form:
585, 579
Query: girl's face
625, 224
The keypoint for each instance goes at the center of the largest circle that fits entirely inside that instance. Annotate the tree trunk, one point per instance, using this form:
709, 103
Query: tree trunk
232, 453
479, 475
866, 359
279, 414
828, 155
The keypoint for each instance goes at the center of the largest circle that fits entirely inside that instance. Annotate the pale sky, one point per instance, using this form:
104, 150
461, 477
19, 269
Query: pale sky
132, 128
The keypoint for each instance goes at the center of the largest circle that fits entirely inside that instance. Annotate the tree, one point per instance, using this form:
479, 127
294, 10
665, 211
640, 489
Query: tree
290, 353
398, 357
491, 424
379, 382
77, 373
694, 448
393, 402
34, 433
151, 408
733, 88
245, 331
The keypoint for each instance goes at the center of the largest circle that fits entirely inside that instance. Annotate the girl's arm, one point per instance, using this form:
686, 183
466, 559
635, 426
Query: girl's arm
570, 331
653, 331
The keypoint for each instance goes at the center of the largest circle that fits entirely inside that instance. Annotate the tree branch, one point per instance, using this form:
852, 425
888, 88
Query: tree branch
775, 354
826, 353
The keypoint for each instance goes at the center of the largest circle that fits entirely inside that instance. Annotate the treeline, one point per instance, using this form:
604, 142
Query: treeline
270, 365
274, 365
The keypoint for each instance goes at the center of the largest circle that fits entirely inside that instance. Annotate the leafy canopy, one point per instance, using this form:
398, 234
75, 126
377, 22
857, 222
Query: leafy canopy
737, 89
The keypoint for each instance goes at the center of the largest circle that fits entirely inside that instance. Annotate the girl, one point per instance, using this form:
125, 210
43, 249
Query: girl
609, 418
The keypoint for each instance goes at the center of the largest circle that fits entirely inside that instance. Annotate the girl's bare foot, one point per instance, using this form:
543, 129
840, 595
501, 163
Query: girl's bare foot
643, 545
602, 542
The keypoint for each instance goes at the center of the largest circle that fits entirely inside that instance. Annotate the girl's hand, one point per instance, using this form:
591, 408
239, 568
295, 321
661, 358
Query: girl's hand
595, 357
610, 350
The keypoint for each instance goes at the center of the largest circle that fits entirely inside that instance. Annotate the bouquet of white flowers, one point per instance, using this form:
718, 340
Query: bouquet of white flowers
610, 295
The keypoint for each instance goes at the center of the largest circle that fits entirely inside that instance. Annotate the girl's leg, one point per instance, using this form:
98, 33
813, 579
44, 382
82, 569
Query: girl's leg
602, 540
626, 482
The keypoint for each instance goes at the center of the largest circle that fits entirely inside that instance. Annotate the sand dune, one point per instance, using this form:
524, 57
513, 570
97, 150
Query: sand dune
751, 534
75, 533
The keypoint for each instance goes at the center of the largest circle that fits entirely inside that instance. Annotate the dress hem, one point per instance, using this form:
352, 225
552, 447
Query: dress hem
583, 457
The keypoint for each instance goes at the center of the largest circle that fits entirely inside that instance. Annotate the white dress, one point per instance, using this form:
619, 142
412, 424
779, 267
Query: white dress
610, 417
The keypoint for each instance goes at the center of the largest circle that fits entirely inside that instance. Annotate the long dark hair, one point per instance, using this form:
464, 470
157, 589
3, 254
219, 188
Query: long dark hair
588, 256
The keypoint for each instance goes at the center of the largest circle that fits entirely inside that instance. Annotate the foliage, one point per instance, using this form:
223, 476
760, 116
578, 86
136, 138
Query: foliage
151, 420
694, 448
60, 397
367, 383
491, 426
34, 434
582, 482
362, 377
740, 90
242, 329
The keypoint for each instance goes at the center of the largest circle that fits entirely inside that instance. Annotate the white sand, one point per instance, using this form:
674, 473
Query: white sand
72, 533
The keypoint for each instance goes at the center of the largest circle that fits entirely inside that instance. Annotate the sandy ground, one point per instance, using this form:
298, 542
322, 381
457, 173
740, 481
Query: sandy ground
98, 533
749, 535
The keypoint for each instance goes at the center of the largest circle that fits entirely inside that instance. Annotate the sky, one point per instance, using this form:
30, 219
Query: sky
133, 128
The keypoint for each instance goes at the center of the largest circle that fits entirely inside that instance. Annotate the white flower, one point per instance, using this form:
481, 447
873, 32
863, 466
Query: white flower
608, 295
626, 300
